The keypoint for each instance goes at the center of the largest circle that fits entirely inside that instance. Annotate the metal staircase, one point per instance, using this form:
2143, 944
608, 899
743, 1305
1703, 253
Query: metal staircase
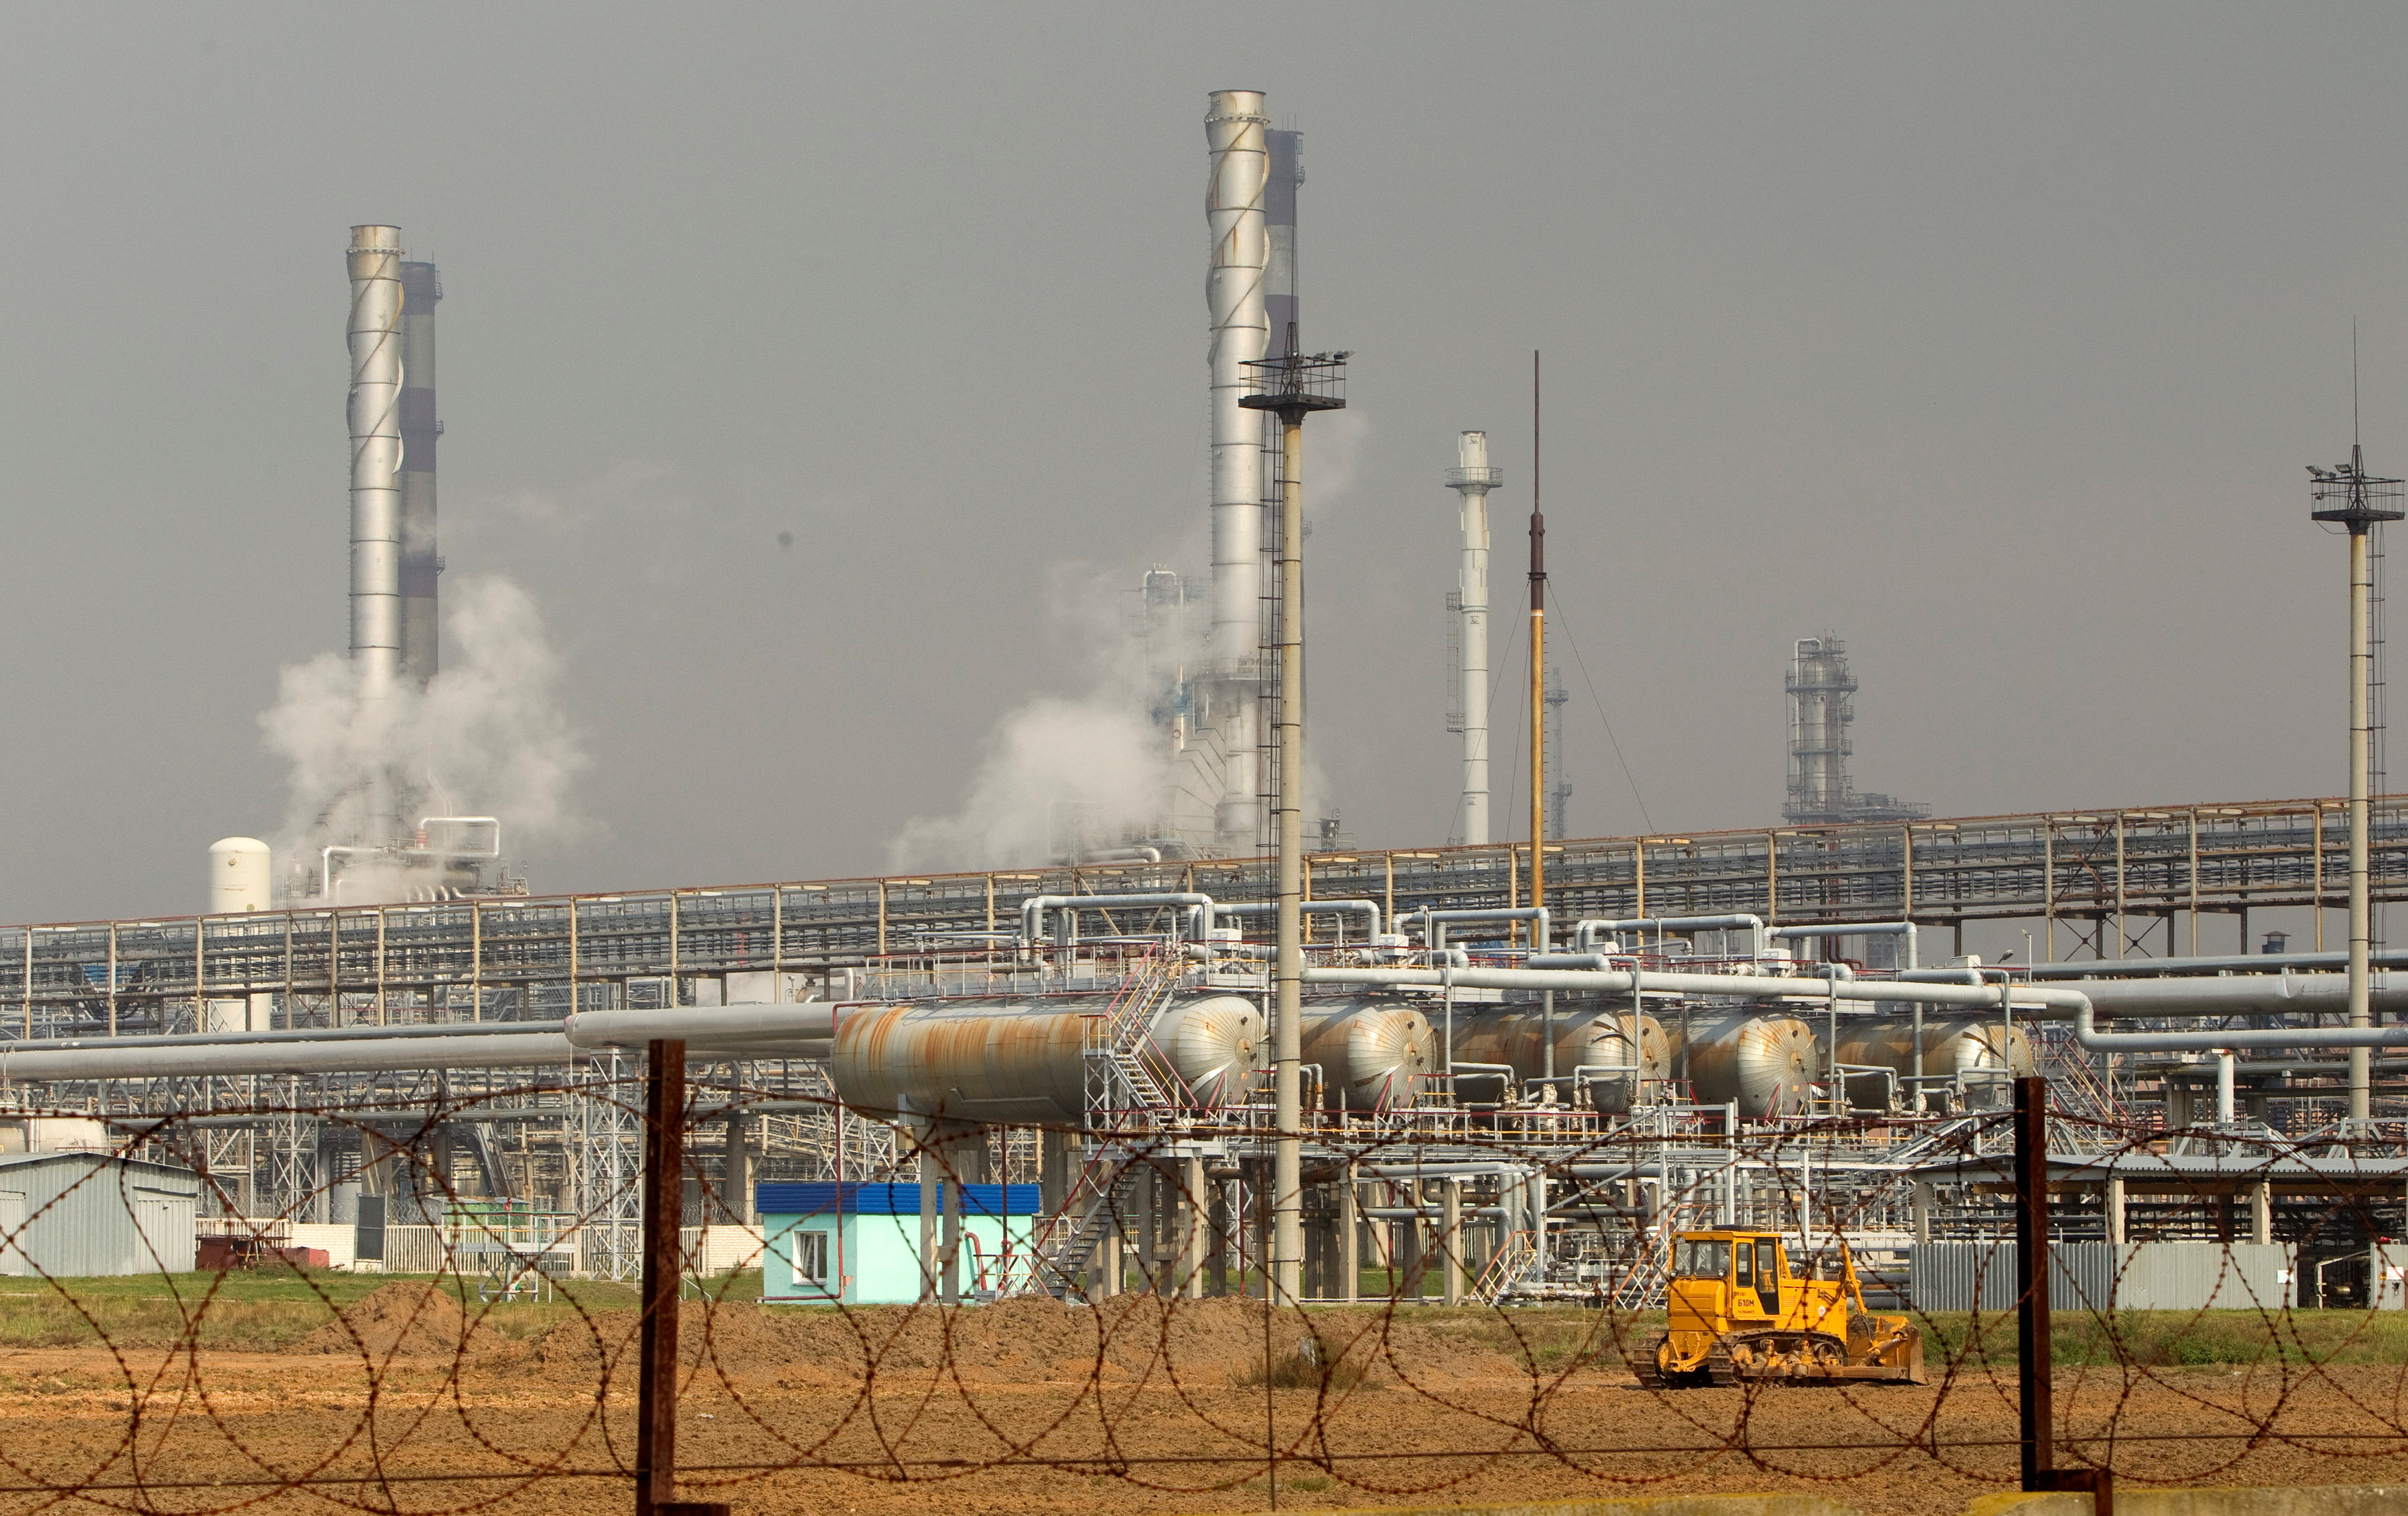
2079, 1089
1129, 1085
1505, 1270
1094, 1206
1642, 1286
1133, 1096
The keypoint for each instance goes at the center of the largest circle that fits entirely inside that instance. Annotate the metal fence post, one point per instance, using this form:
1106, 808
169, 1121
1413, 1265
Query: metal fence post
2039, 1430
657, 1393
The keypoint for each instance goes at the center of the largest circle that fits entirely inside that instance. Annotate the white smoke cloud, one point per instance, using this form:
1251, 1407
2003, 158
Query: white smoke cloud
1335, 446
1056, 772
487, 737
1059, 772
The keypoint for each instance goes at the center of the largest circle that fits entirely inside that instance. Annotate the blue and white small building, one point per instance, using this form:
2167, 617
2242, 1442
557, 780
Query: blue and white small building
856, 1244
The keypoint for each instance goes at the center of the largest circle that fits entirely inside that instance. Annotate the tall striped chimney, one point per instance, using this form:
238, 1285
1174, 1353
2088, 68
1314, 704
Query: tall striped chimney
421, 287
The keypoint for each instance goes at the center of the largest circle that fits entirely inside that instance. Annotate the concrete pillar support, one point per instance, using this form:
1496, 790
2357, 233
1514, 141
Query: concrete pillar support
1451, 1191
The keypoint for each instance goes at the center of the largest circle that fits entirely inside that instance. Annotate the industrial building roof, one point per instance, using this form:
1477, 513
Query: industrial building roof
97, 1157
818, 1197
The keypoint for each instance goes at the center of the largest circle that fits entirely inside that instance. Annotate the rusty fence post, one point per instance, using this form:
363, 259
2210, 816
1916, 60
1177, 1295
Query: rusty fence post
657, 1393
2032, 1323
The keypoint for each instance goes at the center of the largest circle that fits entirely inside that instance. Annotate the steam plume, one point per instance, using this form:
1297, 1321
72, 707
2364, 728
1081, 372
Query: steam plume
487, 736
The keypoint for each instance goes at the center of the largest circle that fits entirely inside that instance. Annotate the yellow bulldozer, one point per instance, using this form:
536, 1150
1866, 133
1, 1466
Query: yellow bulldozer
1737, 1312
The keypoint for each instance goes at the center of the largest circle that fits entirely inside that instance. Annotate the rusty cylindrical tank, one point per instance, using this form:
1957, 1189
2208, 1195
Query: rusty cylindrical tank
1586, 1036
1373, 1055
1960, 1048
1023, 1061
1767, 1063
1216, 1043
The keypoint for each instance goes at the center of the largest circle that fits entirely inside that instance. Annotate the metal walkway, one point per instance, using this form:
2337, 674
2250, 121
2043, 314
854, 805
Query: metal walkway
2107, 883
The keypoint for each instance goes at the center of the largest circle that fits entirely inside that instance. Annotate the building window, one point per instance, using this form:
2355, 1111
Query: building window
811, 1256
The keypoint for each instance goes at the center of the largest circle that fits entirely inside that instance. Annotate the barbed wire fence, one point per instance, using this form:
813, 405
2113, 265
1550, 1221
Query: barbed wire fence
1084, 1318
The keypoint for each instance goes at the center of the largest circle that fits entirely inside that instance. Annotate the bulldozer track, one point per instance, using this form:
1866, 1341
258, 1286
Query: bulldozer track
1775, 1355
1648, 1361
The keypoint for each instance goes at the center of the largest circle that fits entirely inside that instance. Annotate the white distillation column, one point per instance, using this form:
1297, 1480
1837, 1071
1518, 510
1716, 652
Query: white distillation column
1472, 479
1234, 124
375, 412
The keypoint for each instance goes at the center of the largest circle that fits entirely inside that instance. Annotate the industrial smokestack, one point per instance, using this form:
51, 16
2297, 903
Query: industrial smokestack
1472, 479
375, 457
1234, 127
421, 287
1285, 150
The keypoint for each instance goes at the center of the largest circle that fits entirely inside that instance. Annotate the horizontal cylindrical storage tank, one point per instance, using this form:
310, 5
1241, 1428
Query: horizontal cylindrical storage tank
1214, 1044
1589, 1037
240, 875
1981, 1056
1024, 1061
974, 1060
1767, 1063
1373, 1055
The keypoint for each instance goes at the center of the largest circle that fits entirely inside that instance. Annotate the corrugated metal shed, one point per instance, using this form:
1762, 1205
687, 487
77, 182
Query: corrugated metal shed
2097, 1276
1981, 1275
2387, 1286
2198, 1276
74, 1215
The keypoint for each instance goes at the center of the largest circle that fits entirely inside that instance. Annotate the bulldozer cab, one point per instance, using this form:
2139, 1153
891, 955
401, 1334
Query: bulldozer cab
1723, 1280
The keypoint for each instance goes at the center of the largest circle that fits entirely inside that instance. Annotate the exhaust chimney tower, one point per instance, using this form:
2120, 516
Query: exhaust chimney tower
1821, 705
1472, 479
375, 458
1234, 126
1285, 156
421, 287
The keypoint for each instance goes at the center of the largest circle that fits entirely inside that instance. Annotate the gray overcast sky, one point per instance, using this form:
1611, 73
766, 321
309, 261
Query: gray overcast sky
1993, 337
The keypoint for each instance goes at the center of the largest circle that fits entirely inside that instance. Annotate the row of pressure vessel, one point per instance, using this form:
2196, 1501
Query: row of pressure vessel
1766, 1063
1025, 1061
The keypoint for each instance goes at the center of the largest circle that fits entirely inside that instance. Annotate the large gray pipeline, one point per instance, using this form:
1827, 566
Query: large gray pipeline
140, 1058
2296, 995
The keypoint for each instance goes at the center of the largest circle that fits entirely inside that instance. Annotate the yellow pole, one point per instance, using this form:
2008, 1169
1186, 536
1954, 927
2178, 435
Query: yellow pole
1538, 661
1539, 730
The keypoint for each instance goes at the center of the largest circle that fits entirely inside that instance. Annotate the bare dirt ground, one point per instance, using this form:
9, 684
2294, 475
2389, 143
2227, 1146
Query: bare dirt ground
1037, 1408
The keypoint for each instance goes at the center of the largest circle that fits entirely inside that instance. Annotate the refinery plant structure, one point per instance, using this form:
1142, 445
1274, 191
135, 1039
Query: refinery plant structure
1509, 1068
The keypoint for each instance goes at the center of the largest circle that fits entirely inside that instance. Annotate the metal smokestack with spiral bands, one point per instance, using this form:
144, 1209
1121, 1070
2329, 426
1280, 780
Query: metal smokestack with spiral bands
375, 413
1234, 292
